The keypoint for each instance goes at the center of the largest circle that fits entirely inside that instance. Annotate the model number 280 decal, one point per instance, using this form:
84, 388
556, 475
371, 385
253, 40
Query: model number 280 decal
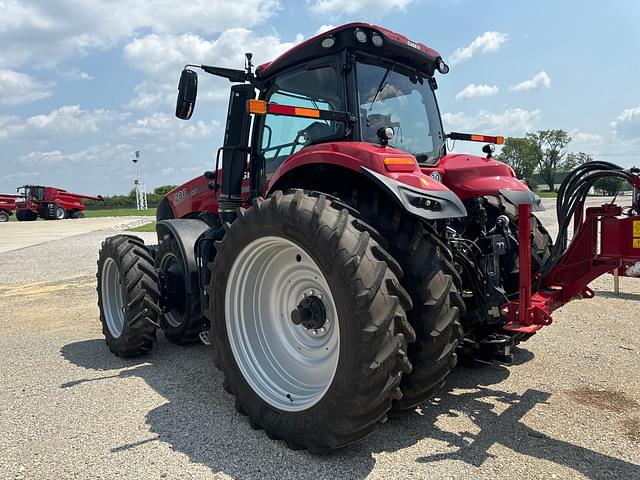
179, 196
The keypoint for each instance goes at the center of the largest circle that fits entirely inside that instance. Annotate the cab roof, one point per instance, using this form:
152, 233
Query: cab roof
395, 47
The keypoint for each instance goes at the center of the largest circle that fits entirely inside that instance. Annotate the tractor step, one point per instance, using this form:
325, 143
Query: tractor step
204, 337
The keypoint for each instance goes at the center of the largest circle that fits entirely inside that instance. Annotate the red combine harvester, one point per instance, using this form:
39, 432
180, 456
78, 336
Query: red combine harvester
338, 256
50, 203
7, 205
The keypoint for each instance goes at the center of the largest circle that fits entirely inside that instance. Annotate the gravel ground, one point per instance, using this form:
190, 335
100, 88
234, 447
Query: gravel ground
567, 408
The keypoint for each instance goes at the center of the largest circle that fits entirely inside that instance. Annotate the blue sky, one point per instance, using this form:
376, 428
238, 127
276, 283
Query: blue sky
83, 84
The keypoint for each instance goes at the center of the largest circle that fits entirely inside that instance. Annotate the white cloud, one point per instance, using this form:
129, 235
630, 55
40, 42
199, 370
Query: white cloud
74, 74
18, 88
324, 28
71, 119
514, 121
472, 90
10, 128
539, 80
627, 124
165, 126
49, 32
161, 58
485, 43
338, 8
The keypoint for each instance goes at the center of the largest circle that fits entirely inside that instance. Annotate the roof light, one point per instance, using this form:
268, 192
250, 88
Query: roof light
360, 35
377, 39
441, 66
328, 42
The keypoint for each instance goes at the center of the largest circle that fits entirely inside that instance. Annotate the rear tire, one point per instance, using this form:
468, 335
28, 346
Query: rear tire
127, 295
182, 323
60, 213
341, 264
433, 285
77, 214
4, 217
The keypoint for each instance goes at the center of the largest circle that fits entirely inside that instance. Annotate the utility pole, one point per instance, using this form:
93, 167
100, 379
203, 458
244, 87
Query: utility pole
141, 193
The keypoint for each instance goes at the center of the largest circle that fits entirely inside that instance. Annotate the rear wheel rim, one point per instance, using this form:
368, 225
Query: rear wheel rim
112, 298
59, 213
289, 366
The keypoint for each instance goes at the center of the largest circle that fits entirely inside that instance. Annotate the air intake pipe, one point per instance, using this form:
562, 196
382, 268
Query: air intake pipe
235, 151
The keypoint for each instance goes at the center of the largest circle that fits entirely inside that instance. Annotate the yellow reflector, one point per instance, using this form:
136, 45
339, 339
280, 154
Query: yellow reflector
259, 107
399, 161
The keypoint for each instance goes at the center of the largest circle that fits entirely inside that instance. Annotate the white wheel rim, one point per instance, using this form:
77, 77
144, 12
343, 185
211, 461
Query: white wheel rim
112, 299
60, 213
289, 366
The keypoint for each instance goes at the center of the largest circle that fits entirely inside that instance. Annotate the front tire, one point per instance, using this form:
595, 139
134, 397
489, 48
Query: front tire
182, 321
127, 295
316, 390
4, 217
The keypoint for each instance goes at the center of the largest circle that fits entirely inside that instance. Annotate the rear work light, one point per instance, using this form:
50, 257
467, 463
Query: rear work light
377, 39
360, 35
328, 42
400, 164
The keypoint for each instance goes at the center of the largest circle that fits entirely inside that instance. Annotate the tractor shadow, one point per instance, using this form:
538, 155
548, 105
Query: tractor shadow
199, 420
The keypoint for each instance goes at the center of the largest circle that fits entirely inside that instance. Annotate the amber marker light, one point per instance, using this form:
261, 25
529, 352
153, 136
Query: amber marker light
399, 164
259, 107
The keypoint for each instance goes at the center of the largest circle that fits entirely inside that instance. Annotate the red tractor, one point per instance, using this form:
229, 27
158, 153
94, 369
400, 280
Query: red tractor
50, 203
339, 258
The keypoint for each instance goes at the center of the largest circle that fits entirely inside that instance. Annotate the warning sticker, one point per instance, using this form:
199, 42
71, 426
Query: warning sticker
636, 228
636, 243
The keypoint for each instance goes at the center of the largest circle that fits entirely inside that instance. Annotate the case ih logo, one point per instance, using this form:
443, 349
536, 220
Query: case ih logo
436, 176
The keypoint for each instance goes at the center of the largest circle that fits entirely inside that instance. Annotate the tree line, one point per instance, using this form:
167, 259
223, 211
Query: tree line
129, 200
546, 154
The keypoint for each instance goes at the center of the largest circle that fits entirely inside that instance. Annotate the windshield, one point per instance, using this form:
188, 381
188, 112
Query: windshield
404, 102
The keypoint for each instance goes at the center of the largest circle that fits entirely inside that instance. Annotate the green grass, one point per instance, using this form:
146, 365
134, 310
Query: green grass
120, 212
546, 194
149, 227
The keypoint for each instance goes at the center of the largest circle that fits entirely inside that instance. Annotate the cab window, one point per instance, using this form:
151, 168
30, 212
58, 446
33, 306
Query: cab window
282, 136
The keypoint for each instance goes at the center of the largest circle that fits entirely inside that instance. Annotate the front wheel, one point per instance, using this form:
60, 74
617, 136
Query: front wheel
182, 321
127, 295
310, 331
4, 216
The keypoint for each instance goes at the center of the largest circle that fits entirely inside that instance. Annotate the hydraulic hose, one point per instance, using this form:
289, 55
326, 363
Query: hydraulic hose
572, 195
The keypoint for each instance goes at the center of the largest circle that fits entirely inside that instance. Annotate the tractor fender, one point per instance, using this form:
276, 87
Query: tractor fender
427, 204
186, 232
517, 197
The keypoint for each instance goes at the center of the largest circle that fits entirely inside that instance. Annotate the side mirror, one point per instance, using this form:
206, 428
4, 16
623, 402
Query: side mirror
187, 92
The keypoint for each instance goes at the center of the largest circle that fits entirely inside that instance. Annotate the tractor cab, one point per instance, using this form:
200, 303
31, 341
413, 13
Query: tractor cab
359, 89
32, 192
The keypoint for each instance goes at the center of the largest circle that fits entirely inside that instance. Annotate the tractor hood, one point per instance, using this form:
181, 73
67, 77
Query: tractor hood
471, 176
